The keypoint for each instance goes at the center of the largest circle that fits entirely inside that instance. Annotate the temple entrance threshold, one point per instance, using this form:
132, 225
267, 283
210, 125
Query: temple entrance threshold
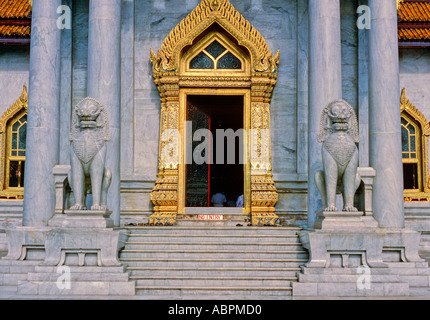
215, 160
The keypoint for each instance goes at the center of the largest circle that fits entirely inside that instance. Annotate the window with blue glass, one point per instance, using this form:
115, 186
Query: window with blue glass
215, 56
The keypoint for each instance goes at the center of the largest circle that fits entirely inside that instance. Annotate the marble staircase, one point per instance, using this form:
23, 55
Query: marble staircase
209, 262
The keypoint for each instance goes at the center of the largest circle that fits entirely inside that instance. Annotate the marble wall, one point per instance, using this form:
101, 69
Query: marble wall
415, 77
14, 73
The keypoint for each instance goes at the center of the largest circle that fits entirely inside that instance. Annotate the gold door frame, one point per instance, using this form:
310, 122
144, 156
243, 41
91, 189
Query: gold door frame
174, 80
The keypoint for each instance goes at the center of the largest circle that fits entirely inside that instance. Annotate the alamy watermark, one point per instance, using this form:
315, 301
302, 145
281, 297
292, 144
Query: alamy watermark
364, 20
229, 146
64, 279
364, 281
64, 21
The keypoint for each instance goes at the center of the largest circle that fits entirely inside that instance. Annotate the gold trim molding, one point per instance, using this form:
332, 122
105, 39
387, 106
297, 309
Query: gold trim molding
406, 106
171, 77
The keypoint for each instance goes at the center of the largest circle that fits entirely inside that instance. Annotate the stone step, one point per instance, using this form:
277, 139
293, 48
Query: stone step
208, 254
212, 272
82, 269
209, 261
211, 230
79, 276
19, 268
416, 274
80, 280
213, 281
77, 288
353, 278
416, 280
11, 272
244, 238
336, 289
344, 271
8, 292
213, 219
211, 246
223, 292
11, 279
419, 292
217, 263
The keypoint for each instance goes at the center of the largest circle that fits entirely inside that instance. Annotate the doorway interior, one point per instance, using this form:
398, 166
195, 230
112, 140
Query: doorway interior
222, 149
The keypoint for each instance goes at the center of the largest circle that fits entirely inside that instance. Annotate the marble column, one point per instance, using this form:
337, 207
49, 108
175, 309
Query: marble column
43, 133
385, 151
325, 83
104, 82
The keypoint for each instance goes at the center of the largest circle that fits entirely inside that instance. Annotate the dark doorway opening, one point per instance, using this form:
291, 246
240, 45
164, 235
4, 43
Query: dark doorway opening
410, 176
221, 117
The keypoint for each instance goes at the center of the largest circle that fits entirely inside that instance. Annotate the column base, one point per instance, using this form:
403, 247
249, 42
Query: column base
342, 220
82, 219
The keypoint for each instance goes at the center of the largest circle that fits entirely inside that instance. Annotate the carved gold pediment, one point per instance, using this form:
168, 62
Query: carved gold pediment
19, 104
406, 105
203, 16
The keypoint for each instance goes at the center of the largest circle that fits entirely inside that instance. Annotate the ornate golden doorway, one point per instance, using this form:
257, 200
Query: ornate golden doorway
214, 51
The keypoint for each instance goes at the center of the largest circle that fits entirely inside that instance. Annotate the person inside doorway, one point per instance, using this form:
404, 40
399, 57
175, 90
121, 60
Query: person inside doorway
219, 199
239, 202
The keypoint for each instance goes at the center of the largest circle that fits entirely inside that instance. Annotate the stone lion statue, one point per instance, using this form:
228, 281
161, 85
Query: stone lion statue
88, 135
339, 135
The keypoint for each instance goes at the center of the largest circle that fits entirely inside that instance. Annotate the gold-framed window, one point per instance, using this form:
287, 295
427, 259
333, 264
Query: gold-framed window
215, 54
415, 131
13, 132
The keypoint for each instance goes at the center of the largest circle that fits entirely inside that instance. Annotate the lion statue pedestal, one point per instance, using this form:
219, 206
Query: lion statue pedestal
81, 240
344, 244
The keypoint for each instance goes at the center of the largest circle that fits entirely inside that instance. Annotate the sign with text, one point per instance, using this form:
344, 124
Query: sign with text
210, 217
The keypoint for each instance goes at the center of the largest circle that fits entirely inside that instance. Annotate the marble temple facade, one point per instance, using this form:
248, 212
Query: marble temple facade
127, 55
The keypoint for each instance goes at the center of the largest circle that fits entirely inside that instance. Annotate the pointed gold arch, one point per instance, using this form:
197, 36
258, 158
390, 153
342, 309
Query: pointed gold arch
172, 83
407, 107
18, 106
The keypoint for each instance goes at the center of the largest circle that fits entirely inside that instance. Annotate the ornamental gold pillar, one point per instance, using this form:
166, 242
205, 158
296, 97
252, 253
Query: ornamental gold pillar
164, 196
264, 195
